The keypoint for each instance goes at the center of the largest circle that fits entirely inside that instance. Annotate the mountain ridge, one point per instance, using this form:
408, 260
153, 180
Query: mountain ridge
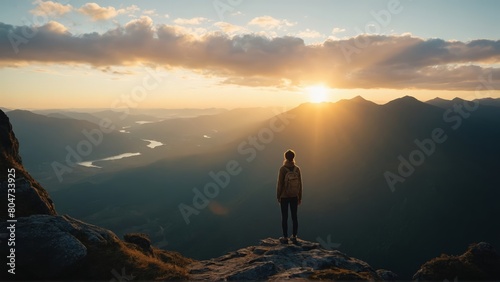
273, 147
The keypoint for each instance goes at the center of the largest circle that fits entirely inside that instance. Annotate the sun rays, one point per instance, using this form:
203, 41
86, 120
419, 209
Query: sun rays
318, 93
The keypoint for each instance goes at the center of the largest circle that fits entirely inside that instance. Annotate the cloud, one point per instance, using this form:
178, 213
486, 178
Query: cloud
338, 30
116, 71
140, 25
151, 12
130, 9
335, 31
364, 61
55, 27
229, 28
97, 13
50, 8
192, 21
308, 33
270, 22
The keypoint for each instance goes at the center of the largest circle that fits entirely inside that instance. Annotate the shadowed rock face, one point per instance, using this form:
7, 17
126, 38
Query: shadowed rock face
480, 262
273, 260
9, 146
49, 246
63, 248
30, 197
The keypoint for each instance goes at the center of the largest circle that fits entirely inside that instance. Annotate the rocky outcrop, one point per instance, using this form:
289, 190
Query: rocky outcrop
479, 262
60, 247
387, 275
271, 260
9, 146
48, 246
30, 197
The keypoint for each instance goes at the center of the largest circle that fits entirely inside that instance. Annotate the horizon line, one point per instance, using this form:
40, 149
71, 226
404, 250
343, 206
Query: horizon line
85, 109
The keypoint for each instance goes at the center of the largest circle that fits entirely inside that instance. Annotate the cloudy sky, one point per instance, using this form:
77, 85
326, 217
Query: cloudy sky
239, 53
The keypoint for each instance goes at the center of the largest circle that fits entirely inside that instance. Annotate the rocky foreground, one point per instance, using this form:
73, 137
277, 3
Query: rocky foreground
271, 260
63, 248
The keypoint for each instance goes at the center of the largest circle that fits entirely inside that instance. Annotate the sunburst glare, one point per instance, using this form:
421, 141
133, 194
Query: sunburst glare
317, 93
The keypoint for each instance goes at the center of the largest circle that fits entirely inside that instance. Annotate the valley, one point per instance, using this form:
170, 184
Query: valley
375, 185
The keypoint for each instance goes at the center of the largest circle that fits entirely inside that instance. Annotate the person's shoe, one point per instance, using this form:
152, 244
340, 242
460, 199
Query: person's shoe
284, 240
294, 239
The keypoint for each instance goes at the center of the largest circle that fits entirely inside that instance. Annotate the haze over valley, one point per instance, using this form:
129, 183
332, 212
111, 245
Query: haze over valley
374, 176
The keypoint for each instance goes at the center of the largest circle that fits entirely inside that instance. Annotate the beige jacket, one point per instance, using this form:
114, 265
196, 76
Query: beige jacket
280, 187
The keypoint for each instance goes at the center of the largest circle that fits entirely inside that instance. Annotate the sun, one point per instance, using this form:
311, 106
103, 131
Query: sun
317, 93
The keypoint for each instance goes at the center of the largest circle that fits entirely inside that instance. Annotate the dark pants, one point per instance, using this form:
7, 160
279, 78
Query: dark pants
293, 203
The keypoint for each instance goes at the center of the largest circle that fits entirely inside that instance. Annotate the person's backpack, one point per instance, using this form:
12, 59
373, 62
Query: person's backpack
292, 183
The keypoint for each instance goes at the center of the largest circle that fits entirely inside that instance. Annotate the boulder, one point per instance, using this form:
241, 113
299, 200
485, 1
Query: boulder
272, 260
479, 262
49, 246
387, 275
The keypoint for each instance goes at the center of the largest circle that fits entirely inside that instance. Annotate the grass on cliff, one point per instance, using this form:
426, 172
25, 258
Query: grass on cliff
341, 274
126, 261
453, 267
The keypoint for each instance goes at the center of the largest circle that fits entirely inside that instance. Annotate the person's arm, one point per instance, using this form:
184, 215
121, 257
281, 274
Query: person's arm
300, 191
279, 184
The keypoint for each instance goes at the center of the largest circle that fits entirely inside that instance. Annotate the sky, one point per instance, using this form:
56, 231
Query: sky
242, 53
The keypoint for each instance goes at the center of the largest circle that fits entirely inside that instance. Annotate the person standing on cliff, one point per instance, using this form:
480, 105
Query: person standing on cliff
289, 194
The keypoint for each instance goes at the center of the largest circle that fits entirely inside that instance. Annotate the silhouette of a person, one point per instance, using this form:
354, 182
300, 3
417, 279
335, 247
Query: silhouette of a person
286, 197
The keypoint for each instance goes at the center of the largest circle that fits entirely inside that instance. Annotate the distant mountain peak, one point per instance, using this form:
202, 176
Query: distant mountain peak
440, 102
488, 99
357, 101
405, 101
437, 99
408, 98
457, 99
359, 98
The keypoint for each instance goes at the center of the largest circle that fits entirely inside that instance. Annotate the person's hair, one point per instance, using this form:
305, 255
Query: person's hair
289, 155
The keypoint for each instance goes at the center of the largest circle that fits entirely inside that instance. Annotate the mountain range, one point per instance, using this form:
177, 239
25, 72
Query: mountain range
392, 184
